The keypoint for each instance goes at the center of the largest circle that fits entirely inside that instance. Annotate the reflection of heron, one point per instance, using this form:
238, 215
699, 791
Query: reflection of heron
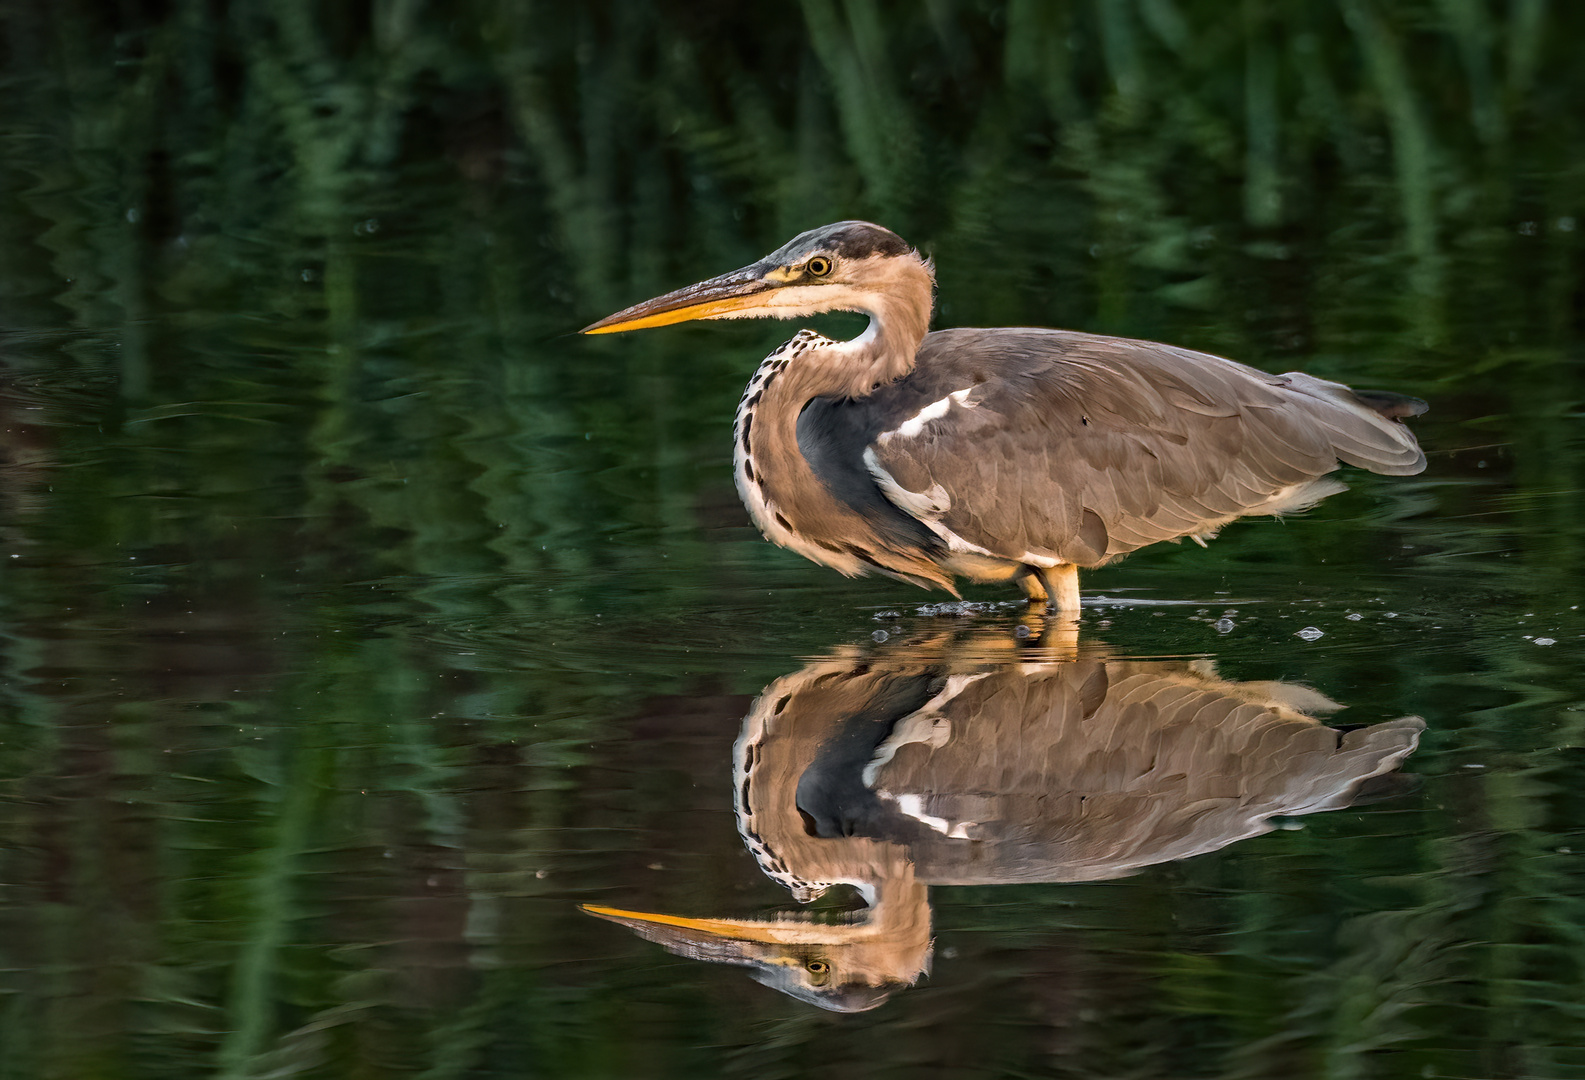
1005, 454
893, 772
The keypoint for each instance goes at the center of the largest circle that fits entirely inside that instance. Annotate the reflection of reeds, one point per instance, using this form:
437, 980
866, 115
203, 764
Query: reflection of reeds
327, 263
1412, 154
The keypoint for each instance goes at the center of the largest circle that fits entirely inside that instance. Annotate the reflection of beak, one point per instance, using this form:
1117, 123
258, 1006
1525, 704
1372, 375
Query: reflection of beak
725, 940
776, 954
719, 297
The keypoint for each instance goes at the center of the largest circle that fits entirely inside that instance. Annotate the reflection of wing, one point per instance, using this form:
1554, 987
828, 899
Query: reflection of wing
1117, 444
1084, 771
1041, 772
919, 766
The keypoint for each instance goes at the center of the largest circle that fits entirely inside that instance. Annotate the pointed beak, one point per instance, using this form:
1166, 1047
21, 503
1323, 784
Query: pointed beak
717, 298
776, 954
690, 936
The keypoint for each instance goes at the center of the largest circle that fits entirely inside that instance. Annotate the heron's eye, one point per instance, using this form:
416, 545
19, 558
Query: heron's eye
819, 266
818, 971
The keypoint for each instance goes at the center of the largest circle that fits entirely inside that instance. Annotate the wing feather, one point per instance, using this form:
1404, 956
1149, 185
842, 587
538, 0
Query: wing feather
1154, 441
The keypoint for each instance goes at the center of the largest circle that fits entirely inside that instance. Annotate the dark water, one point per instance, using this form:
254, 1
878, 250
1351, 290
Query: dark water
359, 623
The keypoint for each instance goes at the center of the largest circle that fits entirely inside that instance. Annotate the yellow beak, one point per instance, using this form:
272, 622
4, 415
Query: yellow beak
713, 299
696, 930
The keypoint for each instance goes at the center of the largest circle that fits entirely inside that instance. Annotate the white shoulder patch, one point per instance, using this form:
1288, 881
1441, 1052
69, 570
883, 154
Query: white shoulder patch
913, 806
914, 426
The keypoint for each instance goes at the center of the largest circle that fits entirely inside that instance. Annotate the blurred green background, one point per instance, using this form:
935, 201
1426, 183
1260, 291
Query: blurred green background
357, 619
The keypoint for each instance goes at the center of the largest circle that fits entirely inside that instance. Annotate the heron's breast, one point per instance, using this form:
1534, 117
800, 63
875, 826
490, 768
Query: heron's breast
783, 496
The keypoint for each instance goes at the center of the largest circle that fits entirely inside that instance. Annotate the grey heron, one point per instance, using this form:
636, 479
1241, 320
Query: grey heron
902, 768
1004, 454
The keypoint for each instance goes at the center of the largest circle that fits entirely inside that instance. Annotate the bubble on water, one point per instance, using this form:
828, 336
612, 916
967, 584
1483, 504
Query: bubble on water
880, 635
1021, 631
1391, 615
1353, 616
883, 616
1224, 625
1546, 641
958, 608
1309, 633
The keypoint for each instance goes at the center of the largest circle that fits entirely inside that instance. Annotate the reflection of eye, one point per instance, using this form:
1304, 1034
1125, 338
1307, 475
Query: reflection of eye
818, 970
819, 266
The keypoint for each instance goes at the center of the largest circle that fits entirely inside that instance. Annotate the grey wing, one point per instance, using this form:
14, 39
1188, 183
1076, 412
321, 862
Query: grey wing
1066, 446
1086, 771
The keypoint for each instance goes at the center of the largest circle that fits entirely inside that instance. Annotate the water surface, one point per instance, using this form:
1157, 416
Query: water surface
360, 622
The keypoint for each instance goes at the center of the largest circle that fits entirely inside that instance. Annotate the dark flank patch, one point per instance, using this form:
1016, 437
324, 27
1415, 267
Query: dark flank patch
1092, 533
748, 470
831, 796
832, 436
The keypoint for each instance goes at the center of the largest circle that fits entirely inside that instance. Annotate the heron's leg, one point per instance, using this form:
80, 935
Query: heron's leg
1058, 587
1063, 584
1052, 593
1034, 585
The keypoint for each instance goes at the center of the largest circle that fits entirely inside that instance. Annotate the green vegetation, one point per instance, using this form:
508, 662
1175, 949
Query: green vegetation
356, 618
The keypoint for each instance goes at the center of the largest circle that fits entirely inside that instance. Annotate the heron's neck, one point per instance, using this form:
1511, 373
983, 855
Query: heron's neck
899, 319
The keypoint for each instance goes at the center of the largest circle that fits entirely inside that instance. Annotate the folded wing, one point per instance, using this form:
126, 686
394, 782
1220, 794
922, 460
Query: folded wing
1052, 445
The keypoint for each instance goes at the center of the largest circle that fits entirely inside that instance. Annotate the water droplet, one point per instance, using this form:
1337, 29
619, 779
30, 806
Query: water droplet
1310, 633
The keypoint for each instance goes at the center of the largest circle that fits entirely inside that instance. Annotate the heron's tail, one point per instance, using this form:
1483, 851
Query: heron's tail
1392, 406
1366, 429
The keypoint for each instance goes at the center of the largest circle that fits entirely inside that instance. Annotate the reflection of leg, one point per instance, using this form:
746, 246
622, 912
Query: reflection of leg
1057, 636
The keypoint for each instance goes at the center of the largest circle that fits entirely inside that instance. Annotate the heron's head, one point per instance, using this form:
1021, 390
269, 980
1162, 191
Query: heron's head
846, 967
849, 266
